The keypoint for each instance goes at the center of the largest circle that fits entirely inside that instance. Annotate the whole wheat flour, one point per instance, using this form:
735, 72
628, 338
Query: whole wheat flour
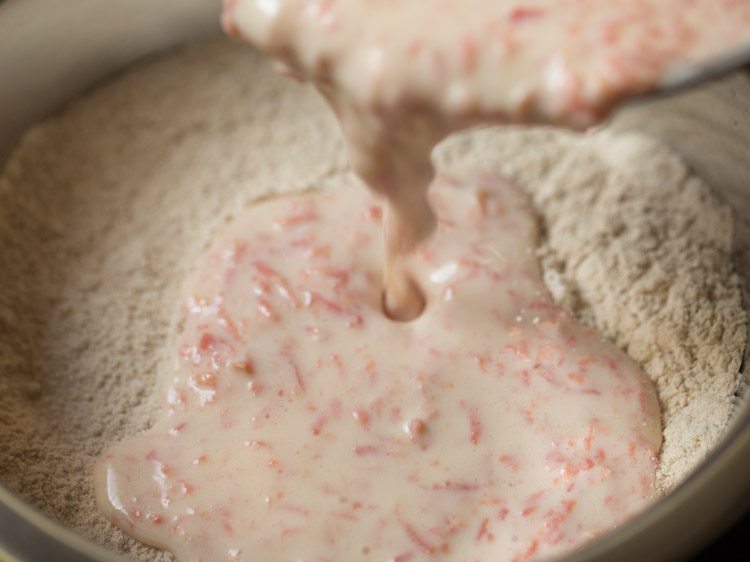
105, 208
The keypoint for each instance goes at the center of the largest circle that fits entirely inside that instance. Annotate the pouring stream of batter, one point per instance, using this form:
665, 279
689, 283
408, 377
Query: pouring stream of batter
401, 74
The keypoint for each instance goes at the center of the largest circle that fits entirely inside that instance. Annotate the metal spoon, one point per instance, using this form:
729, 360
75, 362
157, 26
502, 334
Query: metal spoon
694, 75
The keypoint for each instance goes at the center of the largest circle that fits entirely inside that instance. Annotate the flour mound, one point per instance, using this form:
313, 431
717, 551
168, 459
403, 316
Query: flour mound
105, 208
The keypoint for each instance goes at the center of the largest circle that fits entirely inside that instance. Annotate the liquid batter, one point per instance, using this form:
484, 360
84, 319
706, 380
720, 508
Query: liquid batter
403, 74
552, 61
300, 423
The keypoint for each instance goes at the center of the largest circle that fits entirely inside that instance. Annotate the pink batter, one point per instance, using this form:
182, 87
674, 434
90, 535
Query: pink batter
552, 61
301, 424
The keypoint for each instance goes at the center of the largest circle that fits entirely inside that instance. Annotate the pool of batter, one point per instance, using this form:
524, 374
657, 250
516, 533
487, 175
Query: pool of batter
301, 423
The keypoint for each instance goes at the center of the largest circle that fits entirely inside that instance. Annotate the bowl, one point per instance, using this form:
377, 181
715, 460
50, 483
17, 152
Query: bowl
52, 51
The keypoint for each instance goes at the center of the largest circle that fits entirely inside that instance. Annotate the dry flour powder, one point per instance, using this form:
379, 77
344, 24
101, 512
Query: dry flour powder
105, 208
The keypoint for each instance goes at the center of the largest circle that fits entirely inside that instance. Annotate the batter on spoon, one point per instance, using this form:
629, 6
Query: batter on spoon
300, 423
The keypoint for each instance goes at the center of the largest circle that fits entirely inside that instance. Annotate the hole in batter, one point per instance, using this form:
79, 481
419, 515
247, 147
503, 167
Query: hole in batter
403, 300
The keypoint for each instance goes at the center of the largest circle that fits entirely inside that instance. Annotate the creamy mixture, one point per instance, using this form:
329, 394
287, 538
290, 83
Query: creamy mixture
301, 423
551, 61
402, 74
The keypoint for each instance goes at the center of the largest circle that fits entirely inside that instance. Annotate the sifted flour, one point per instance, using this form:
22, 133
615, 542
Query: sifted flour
105, 208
